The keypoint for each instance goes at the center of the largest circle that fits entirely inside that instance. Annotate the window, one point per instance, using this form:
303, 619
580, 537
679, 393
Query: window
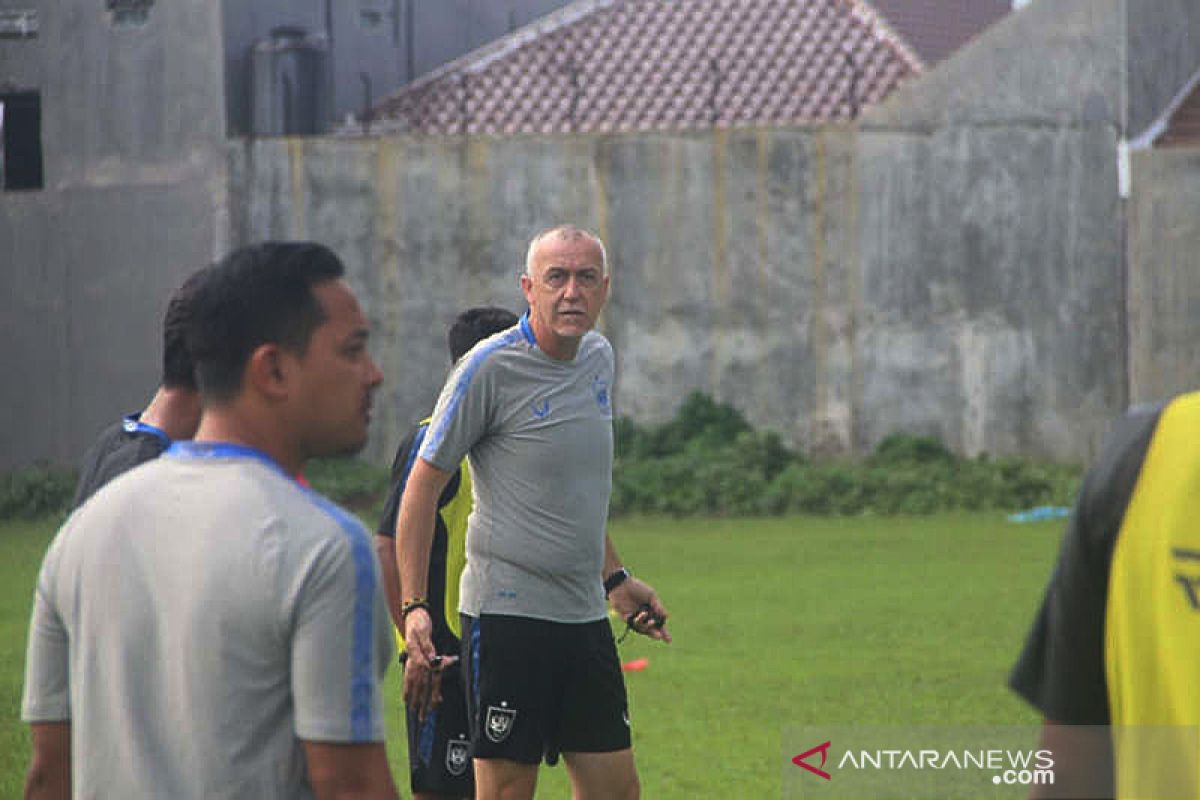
129, 13
370, 18
19, 24
21, 126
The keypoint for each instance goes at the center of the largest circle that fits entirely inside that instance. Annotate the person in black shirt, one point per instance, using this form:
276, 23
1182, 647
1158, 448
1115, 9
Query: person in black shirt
173, 412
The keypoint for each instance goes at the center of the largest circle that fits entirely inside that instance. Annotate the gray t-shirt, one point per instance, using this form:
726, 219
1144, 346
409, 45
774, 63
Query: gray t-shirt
538, 433
198, 617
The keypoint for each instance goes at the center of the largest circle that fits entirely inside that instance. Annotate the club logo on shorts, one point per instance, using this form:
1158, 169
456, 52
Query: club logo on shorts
457, 756
499, 723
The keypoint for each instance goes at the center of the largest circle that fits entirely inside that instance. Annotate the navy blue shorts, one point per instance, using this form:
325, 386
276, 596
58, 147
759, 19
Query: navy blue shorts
439, 748
537, 688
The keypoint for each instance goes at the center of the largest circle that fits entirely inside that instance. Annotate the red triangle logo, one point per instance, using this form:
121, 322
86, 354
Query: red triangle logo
823, 749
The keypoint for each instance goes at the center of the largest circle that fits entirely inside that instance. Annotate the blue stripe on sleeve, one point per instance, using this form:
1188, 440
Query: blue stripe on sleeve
439, 425
362, 680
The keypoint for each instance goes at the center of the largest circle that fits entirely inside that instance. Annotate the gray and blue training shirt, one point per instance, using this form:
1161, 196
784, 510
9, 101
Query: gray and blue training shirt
538, 433
196, 619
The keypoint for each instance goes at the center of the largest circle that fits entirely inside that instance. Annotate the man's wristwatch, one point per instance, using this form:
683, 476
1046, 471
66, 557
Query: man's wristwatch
619, 576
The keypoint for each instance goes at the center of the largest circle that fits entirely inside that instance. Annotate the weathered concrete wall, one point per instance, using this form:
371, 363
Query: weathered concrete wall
132, 203
953, 264
1164, 286
835, 288
993, 299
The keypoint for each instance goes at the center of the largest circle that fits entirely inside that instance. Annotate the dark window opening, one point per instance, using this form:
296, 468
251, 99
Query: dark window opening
21, 24
129, 13
21, 125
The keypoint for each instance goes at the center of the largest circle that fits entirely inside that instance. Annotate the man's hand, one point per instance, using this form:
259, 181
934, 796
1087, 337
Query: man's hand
420, 685
629, 597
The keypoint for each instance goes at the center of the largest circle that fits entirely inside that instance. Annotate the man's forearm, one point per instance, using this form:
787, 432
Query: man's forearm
612, 561
415, 526
49, 776
385, 548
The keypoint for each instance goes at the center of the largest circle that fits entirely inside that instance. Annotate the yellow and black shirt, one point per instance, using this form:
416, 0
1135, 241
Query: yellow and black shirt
1117, 639
447, 557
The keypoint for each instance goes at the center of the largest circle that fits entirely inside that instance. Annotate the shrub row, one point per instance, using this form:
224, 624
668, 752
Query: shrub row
36, 491
41, 490
709, 461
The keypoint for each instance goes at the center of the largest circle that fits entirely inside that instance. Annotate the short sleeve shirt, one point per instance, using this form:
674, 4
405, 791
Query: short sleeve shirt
1061, 670
198, 619
121, 447
538, 435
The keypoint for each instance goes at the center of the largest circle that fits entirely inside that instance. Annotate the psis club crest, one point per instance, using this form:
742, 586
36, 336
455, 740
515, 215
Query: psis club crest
499, 723
458, 752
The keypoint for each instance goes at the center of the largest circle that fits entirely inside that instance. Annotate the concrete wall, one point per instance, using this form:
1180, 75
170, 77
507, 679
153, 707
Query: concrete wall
132, 203
811, 278
20, 61
958, 263
1164, 286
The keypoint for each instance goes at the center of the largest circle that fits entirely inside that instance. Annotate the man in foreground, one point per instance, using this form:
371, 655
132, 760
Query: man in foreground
1111, 659
205, 627
532, 408
173, 412
438, 745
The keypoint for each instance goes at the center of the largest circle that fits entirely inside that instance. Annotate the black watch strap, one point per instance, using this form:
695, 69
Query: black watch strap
619, 576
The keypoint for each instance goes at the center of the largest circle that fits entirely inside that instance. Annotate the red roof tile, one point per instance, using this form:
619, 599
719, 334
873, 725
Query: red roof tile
625, 65
936, 28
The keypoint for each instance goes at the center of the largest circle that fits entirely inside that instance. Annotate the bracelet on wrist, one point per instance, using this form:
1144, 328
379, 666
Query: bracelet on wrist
413, 605
615, 579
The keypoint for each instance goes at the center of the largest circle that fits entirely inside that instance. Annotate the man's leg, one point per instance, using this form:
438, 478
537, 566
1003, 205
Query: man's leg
501, 779
438, 746
603, 776
509, 679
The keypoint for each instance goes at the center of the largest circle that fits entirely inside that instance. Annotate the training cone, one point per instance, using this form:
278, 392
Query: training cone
637, 665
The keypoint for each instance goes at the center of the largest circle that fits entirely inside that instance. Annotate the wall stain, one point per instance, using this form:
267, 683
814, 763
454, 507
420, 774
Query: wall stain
720, 281
299, 198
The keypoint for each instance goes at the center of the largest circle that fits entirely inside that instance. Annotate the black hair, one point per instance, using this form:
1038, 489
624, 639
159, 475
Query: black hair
476, 324
258, 294
178, 369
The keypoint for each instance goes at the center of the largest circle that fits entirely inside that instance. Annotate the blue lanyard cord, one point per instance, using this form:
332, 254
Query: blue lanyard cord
132, 424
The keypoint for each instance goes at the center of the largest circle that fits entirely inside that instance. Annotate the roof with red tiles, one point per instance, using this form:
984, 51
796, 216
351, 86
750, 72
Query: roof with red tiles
936, 28
637, 65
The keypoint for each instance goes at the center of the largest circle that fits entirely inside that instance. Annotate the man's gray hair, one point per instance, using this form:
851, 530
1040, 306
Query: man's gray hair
567, 231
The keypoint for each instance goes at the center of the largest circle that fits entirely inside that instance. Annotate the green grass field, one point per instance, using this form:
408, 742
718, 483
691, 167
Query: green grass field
778, 623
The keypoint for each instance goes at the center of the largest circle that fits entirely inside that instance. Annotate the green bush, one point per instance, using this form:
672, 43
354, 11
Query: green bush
41, 489
36, 491
349, 482
708, 460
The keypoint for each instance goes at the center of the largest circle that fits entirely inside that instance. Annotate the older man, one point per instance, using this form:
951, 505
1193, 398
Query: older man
532, 410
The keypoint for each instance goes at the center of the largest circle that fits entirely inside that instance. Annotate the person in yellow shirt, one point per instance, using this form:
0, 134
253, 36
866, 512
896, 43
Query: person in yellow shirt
439, 745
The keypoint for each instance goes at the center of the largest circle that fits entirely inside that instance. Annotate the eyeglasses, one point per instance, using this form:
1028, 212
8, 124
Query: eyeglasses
558, 277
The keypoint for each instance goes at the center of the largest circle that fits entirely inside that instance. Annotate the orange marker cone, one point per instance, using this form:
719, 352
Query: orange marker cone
637, 665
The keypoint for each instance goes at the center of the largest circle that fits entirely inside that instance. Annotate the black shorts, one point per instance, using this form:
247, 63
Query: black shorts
439, 749
538, 688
